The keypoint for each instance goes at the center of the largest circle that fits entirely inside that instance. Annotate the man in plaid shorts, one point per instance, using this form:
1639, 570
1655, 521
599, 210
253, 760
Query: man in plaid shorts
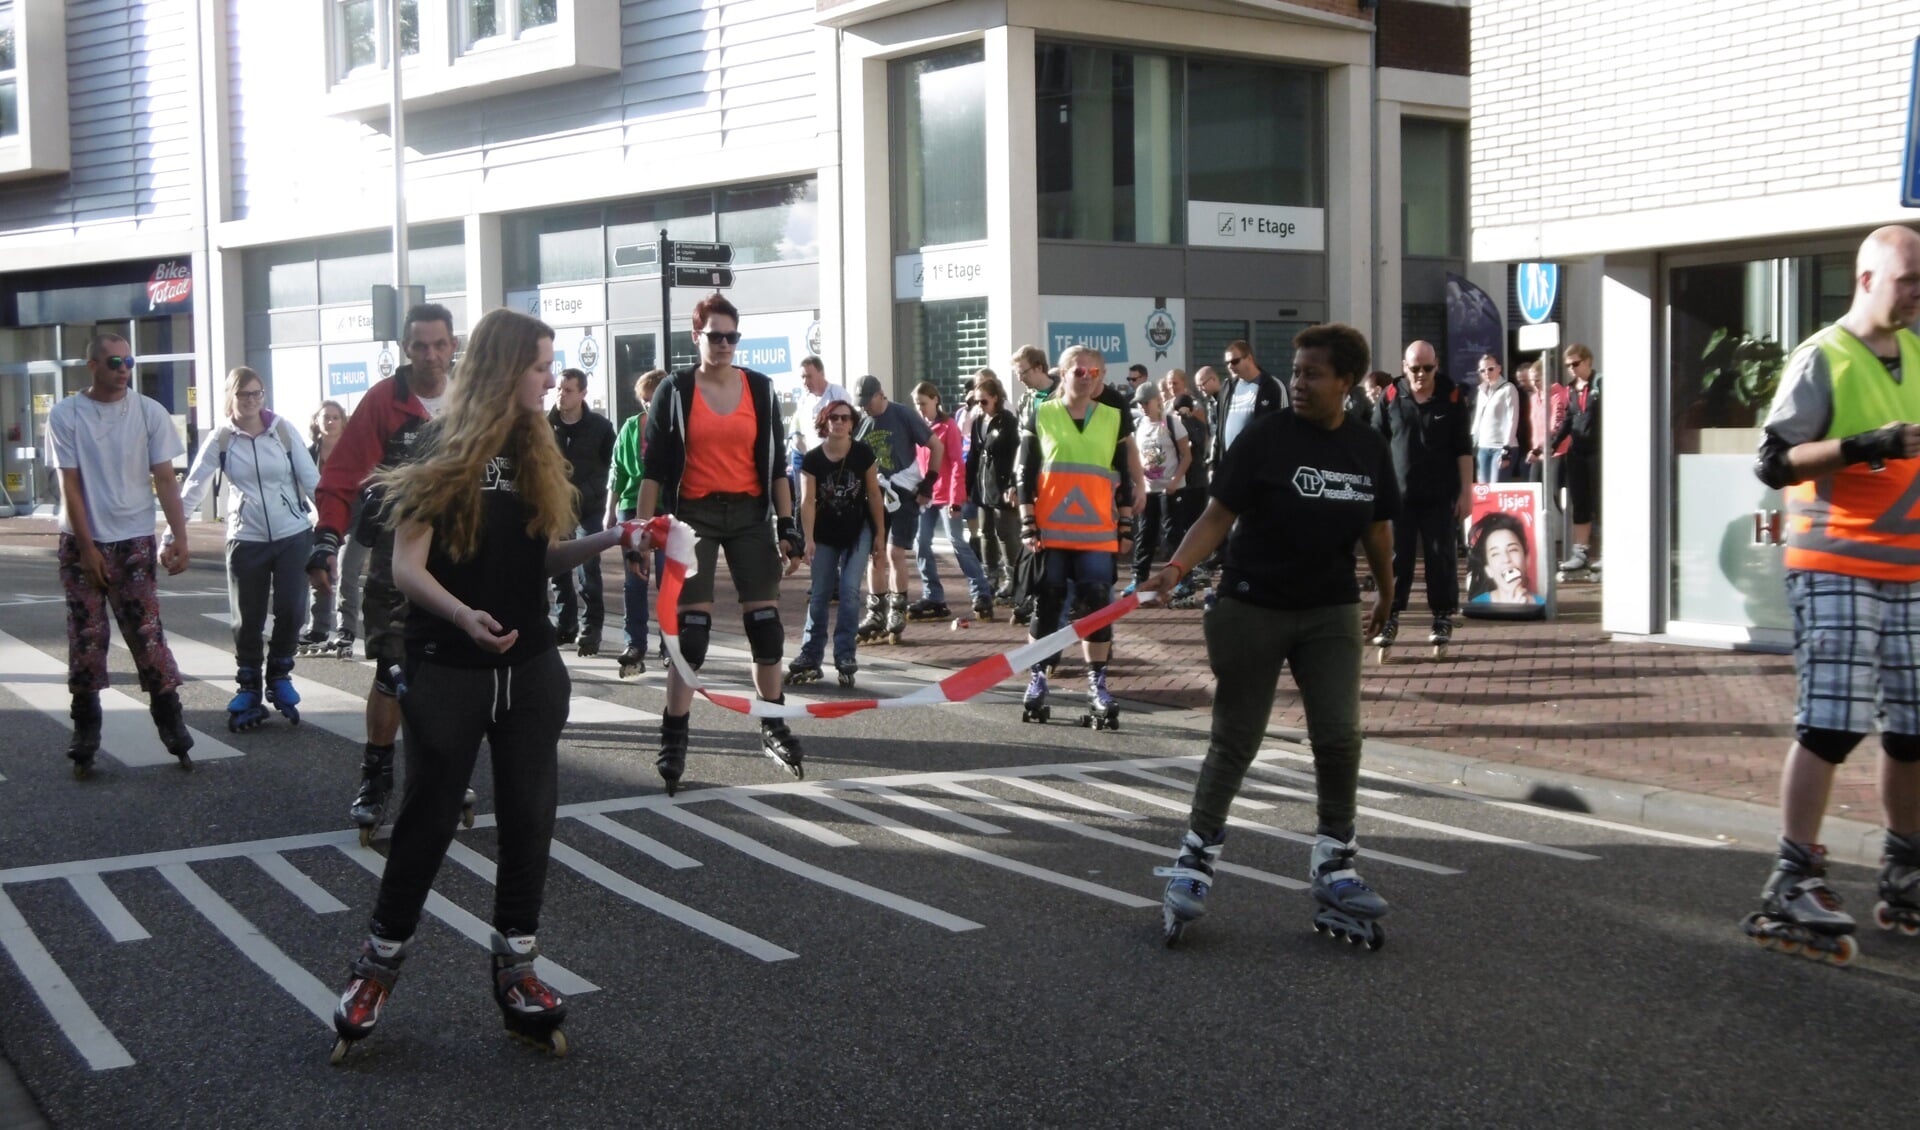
1843, 441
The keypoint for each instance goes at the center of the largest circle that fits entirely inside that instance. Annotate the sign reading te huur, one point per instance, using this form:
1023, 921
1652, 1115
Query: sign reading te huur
1125, 330
563, 305
935, 273
346, 378
1256, 227
1537, 284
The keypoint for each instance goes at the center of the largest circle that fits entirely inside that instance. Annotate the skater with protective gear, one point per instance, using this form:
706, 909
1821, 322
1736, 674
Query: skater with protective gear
478, 525
896, 434
1293, 497
1843, 442
629, 467
1076, 505
269, 479
114, 450
715, 461
1580, 430
586, 439
841, 516
1424, 419
383, 432
993, 458
947, 498
323, 432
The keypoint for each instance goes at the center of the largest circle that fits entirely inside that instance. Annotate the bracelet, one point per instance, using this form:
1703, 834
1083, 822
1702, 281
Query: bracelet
1172, 564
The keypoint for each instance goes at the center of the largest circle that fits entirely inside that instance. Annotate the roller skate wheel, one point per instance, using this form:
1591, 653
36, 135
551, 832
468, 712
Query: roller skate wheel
82, 770
1173, 932
466, 816
366, 835
339, 1053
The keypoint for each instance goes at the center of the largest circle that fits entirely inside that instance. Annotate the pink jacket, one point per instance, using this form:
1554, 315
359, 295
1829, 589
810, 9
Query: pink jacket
950, 486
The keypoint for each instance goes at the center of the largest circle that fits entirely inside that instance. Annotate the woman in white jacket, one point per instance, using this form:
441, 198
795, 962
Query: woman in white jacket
1496, 422
270, 478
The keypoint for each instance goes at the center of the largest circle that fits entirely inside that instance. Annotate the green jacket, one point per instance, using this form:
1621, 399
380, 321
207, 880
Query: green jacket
628, 466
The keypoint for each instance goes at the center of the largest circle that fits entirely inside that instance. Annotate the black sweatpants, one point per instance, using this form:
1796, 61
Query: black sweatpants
1430, 527
446, 712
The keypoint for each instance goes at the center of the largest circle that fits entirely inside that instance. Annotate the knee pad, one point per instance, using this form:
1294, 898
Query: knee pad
1901, 747
696, 628
383, 680
1831, 746
765, 639
1092, 599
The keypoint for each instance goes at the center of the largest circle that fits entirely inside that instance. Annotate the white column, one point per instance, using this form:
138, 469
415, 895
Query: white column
865, 218
1633, 483
1349, 197
486, 273
1013, 196
1391, 334
831, 191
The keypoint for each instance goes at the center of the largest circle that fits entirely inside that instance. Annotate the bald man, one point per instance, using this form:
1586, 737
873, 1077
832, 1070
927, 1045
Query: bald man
1424, 418
1843, 441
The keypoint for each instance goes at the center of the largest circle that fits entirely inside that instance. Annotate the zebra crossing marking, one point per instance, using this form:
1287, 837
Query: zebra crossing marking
126, 728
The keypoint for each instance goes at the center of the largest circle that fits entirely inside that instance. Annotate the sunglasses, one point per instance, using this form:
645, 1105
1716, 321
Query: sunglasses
717, 337
1235, 360
1421, 368
1086, 372
117, 363
840, 419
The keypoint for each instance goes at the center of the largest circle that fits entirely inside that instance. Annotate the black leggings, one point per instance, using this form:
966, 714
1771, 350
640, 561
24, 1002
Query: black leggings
447, 711
1582, 469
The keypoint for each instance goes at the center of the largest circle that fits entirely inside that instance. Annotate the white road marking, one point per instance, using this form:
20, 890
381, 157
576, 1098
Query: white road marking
63, 1002
640, 842
322, 706
316, 897
921, 804
749, 944
113, 914
126, 729
301, 985
1065, 797
797, 824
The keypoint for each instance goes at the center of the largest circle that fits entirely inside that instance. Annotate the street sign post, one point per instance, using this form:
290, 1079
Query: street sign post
711, 254
1910, 166
1539, 285
692, 264
716, 278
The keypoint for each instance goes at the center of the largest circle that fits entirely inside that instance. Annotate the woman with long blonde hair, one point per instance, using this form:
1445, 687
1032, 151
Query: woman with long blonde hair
478, 523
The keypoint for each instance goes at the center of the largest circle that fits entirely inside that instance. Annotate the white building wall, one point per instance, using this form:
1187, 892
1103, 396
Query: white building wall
1659, 124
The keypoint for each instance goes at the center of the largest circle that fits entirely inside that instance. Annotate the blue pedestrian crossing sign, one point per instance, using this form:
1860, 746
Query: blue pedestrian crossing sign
1539, 285
1910, 162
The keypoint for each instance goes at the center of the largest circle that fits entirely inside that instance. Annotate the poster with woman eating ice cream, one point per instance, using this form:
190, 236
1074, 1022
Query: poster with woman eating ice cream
1507, 552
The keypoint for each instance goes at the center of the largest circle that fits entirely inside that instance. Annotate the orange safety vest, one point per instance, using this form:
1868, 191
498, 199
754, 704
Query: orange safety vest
1075, 507
1860, 522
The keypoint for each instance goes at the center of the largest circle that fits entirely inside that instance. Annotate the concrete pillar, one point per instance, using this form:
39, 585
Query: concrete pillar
1349, 196
1013, 196
1634, 492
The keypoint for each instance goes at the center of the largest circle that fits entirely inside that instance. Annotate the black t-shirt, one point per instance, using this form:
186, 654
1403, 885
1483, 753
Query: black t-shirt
840, 509
1303, 497
506, 577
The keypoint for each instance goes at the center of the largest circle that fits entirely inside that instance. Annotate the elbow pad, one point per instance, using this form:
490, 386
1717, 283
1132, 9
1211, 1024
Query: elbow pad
1772, 466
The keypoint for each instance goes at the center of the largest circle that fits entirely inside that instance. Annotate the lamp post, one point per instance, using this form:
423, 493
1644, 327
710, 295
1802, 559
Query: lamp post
397, 118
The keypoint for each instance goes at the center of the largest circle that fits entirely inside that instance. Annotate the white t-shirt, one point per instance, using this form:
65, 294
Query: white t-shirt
806, 406
114, 447
1159, 449
432, 404
1245, 395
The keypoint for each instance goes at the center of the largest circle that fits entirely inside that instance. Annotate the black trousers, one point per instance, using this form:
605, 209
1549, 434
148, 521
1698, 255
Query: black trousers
1430, 527
1148, 528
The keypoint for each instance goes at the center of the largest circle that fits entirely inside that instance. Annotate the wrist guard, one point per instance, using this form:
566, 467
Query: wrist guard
1125, 528
1875, 447
1029, 529
789, 533
326, 543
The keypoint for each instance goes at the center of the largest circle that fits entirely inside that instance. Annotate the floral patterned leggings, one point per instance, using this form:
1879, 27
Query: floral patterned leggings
134, 601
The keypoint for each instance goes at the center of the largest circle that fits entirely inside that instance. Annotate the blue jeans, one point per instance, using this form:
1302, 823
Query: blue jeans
634, 593
835, 570
956, 530
1486, 464
585, 577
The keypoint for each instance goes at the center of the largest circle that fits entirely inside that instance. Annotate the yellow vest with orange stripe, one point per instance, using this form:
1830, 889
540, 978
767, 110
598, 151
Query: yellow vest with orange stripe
1074, 508
1860, 522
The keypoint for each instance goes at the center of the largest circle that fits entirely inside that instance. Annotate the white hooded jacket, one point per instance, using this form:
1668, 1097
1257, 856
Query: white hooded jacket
270, 478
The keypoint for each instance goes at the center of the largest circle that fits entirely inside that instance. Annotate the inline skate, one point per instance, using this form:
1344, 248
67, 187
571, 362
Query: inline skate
311, 643
280, 692
801, 672
1102, 712
85, 713
1577, 566
1798, 912
1441, 637
1899, 905
532, 1009
246, 710
896, 617
589, 644
165, 708
845, 669
873, 626
778, 743
982, 611
1349, 910
928, 610
1188, 881
372, 974
672, 761
376, 784
339, 645
1033, 705
1383, 639
633, 662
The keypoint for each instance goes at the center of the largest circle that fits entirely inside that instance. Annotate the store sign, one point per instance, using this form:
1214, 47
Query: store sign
347, 323
1124, 330
934, 274
346, 378
562, 305
1256, 227
770, 355
170, 287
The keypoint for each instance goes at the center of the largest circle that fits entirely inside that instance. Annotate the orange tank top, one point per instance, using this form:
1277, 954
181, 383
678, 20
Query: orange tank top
720, 449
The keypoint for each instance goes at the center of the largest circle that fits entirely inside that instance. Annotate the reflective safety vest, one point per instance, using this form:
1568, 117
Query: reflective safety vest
1861, 522
1074, 508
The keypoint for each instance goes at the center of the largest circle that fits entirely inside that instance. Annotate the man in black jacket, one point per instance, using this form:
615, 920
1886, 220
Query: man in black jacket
1248, 393
586, 439
1426, 423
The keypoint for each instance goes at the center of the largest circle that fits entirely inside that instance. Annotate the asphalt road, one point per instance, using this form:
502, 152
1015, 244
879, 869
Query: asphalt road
953, 921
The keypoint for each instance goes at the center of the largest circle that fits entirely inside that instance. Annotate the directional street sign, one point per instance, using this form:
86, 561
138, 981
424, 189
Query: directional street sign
718, 278
711, 254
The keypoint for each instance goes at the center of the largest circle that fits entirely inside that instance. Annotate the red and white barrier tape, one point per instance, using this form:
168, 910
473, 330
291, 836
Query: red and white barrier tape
676, 540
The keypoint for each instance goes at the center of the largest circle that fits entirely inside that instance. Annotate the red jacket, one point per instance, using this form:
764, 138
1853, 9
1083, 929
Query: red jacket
382, 432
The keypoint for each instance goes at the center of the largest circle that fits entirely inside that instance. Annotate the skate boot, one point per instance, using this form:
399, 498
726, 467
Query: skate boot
1188, 881
896, 617
566, 634
928, 610
311, 643
85, 713
340, 645
1383, 639
376, 784
372, 975
1349, 909
1102, 712
1576, 566
1033, 705
846, 669
246, 711
533, 1010
873, 625
1899, 905
778, 742
633, 662
1441, 637
165, 708
280, 690
589, 644
1798, 913
1184, 595
466, 808
801, 671
672, 761
983, 609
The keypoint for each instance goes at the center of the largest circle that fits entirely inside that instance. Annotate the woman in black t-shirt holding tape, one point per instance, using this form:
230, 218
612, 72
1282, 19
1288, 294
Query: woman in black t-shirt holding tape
1294, 495
478, 521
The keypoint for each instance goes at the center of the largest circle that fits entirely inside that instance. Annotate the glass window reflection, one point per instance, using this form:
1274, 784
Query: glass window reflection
938, 123
1108, 127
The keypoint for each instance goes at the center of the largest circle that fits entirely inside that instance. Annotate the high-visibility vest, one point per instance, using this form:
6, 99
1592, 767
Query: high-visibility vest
1074, 507
1860, 522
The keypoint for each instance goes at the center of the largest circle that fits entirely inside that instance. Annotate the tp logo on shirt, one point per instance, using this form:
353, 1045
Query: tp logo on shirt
1346, 487
1307, 483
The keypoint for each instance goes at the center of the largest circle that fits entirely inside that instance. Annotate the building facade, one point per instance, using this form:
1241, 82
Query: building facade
1704, 173
911, 188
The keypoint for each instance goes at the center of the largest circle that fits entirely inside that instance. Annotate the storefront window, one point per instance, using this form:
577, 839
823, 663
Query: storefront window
9, 80
942, 342
360, 33
1258, 134
1433, 177
1108, 127
633, 231
773, 224
938, 119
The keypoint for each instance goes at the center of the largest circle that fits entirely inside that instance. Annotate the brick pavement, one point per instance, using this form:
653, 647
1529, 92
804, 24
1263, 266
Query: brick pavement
1556, 695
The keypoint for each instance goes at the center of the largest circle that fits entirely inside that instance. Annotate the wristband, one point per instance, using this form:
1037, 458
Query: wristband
1029, 529
1179, 569
1124, 527
789, 532
1875, 447
325, 544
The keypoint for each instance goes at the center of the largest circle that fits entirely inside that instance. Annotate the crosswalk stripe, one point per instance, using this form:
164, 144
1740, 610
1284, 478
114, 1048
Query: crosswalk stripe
126, 728
1243, 801
640, 842
316, 897
70, 1012
796, 824
920, 804
113, 914
1065, 797
301, 985
707, 924
321, 706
